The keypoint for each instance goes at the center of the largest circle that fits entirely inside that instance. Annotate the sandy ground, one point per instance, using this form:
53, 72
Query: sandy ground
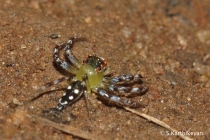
166, 41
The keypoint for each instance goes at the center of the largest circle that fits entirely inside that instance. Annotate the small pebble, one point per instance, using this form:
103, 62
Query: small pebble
54, 36
200, 68
88, 20
203, 36
188, 99
15, 101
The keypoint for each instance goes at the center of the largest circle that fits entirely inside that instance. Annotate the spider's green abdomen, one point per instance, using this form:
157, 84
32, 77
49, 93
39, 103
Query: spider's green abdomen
94, 78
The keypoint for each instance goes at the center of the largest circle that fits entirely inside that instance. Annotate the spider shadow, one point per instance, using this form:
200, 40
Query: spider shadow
112, 104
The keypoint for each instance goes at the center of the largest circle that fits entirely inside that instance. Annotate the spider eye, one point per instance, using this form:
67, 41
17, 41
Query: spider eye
84, 61
98, 69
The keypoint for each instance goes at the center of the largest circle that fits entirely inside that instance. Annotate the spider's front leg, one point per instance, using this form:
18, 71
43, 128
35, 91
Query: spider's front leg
68, 45
109, 98
72, 94
60, 62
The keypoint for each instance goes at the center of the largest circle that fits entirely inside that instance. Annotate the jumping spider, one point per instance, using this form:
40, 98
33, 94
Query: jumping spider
93, 76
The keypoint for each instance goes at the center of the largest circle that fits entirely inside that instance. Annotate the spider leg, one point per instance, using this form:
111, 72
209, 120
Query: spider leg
109, 98
128, 91
55, 82
117, 84
60, 62
72, 94
86, 92
35, 96
69, 44
124, 79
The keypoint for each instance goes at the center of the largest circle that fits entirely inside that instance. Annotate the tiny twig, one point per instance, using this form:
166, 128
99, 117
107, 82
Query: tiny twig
69, 129
156, 121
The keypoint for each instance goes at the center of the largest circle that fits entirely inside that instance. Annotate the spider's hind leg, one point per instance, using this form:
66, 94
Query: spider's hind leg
55, 82
39, 93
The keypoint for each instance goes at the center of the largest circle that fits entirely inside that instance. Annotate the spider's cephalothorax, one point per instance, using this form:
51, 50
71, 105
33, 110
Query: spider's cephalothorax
93, 76
97, 63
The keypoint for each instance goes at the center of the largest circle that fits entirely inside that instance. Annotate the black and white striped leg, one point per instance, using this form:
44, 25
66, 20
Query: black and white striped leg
128, 91
104, 95
84, 80
55, 82
72, 94
60, 62
125, 78
69, 54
